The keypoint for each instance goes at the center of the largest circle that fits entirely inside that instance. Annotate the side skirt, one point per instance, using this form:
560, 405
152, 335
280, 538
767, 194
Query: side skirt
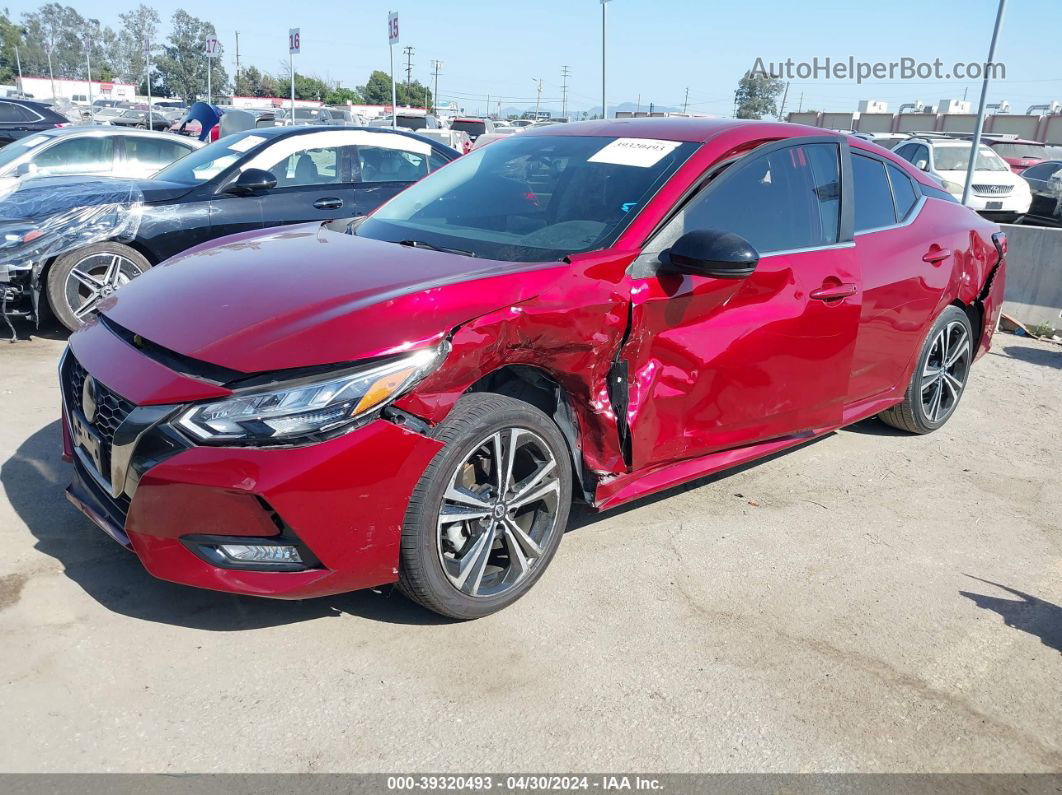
634, 485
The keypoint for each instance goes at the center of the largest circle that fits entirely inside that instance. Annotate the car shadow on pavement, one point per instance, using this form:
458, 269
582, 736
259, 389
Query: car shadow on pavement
34, 479
1047, 358
1027, 613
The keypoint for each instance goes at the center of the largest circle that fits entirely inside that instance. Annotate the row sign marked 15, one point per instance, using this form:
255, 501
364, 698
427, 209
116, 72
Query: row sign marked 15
392, 28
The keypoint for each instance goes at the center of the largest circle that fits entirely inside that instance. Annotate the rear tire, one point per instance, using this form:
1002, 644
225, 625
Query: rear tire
80, 280
939, 378
470, 567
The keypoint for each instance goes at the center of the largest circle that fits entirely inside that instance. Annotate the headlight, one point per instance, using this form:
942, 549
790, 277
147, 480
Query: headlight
952, 187
308, 408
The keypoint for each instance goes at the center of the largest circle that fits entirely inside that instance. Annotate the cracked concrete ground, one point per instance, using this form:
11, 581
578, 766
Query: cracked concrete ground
868, 602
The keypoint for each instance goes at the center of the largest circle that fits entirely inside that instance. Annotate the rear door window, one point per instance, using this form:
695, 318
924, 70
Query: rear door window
873, 198
903, 192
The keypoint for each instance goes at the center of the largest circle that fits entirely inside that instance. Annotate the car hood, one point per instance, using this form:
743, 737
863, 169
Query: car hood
36, 198
305, 295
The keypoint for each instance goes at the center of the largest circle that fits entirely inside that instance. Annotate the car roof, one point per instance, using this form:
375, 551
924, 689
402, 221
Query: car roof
101, 130
309, 129
678, 129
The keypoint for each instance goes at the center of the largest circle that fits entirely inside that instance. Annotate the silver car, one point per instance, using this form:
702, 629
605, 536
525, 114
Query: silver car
93, 151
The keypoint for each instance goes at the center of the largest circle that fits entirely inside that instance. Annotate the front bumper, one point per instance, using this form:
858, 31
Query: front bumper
344, 500
1015, 204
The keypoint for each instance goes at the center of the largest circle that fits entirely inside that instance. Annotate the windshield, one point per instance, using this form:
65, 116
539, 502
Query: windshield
957, 158
308, 113
413, 122
531, 198
206, 163
15, 150
470, 127
1022, 151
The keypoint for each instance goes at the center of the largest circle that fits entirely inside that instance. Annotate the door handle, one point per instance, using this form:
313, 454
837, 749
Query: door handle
328, 203
936, 254
834, 292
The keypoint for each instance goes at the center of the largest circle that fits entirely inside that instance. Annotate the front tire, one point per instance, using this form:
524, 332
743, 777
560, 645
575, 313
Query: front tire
489, 512
79, 280
939, 378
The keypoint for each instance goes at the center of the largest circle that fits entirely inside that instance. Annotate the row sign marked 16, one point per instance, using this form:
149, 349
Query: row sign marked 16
294, 41
392, 28
212, 47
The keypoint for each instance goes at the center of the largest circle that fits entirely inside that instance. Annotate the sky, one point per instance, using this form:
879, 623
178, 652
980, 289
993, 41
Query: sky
657, 49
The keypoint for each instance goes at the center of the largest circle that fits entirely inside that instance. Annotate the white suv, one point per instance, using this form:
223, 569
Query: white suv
997, 192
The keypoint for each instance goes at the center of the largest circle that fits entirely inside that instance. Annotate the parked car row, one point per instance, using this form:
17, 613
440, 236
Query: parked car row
603, 310
69, 242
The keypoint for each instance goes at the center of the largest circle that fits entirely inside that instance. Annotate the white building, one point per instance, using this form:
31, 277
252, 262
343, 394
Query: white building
75, 90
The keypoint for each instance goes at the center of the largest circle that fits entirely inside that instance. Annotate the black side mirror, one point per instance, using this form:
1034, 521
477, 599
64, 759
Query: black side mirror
251, 181
709, 252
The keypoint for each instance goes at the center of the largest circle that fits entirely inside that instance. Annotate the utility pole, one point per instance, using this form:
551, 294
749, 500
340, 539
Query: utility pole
538, 97
975, 146
604, 102
565, 74
147, 77
800, 107
236, 80
18, 62
781, 108
488, 105
51, 74
436, 66
638, 107
88, 62
686, 101
408, 51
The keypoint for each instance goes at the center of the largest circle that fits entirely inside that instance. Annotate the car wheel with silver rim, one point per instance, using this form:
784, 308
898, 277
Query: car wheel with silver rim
940, 376
490, 510
79, 281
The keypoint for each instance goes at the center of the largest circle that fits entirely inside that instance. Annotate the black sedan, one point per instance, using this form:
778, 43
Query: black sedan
71, 242
1045, 181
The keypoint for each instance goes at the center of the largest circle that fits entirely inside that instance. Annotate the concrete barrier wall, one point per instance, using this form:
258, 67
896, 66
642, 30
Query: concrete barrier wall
1034, 275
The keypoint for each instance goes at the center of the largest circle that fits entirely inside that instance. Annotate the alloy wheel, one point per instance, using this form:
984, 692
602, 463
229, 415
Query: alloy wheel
945, 371
95, 278
498, 513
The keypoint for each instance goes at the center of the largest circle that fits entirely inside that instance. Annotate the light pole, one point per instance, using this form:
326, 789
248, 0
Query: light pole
88, 58
538, 96
975, 146
604, 106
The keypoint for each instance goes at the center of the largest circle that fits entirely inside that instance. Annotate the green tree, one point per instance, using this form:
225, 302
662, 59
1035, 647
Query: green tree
182, 67
377, 91
341, 95
757, 95
137, 43
10, 36
54, 30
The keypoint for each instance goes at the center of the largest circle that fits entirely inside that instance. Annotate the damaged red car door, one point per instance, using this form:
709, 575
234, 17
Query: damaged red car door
723, 363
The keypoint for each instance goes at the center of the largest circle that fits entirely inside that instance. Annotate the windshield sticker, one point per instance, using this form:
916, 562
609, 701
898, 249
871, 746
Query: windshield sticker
640, 152
244, 144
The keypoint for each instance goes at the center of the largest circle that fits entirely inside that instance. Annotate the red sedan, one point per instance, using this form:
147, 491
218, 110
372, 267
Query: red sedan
594, 311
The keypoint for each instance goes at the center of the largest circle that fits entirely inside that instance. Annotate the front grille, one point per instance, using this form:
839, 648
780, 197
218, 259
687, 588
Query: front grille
993, 190
111, 410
